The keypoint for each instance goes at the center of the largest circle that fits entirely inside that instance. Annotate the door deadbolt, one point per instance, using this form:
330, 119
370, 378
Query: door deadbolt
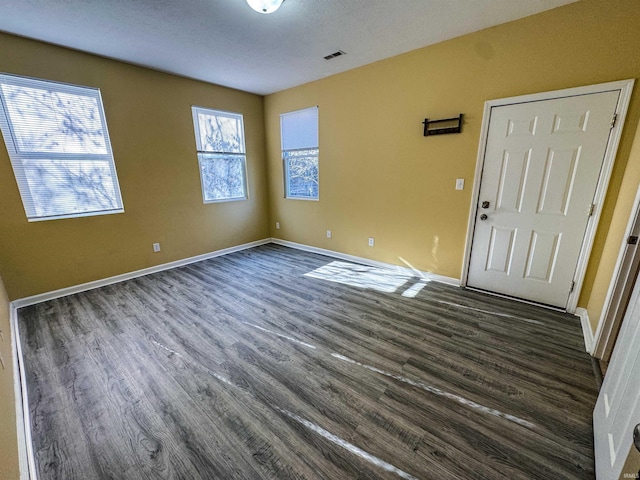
485, 204
483, 216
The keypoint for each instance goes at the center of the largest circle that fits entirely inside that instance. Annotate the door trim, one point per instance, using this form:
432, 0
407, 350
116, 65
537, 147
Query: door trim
620, 289
624, 87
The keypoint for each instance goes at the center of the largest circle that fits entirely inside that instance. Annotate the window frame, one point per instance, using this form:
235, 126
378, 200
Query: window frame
17, 155
310, 144
201, 153
286, 168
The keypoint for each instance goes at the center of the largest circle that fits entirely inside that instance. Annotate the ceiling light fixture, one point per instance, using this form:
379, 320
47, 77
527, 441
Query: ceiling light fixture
265, 6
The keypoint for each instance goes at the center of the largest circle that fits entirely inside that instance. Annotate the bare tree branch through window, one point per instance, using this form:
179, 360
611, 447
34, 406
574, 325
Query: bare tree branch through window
221, 154
57, 138
299, 135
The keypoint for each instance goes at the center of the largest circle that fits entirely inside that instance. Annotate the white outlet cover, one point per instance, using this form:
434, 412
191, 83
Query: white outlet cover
156, 247
328, 233
371, 241
460, 184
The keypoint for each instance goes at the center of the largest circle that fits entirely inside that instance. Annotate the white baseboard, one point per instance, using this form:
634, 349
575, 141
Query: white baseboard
26, 458
25, 446
43, 297
586, 329
366, 261
23, 419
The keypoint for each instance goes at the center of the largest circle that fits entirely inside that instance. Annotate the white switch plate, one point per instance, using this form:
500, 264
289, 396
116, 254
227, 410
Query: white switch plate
328, 233
459, 183
371, 241
277, 225
156, 247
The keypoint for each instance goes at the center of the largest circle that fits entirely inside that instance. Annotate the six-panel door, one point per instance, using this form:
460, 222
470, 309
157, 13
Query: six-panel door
541, 168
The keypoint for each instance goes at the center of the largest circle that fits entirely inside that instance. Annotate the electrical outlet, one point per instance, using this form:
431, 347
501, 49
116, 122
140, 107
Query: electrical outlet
277, 225
328, 233
371, 241
156, 247
460, 184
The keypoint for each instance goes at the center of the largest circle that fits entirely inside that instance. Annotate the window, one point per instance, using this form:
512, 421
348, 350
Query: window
299, 131
221, 154
57, 139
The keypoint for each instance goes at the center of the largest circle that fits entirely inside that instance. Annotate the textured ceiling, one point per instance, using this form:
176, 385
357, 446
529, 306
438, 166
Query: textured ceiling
227, 43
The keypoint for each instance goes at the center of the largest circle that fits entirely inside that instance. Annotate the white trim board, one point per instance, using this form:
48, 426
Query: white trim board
587, 332
23, 421
625, 88
620, 287
25, 446
366, 261
43, 297
26, 457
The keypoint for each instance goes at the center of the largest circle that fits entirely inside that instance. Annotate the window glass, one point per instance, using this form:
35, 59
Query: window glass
57, 139
221, 154
299, 139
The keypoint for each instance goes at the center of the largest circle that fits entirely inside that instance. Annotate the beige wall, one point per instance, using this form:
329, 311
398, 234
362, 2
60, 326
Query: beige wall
150, 124
380, 177
8, 436
631, 466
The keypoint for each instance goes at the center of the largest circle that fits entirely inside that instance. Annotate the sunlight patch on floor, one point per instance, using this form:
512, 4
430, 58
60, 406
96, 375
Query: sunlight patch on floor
372, 278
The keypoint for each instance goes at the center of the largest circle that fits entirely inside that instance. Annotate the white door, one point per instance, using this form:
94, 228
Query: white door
617, 410
541, 168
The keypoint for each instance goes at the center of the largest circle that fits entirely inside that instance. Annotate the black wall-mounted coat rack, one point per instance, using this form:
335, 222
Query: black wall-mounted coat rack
440, 127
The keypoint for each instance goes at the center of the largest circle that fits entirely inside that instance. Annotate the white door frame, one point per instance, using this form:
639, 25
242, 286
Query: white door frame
620, 288
624, 87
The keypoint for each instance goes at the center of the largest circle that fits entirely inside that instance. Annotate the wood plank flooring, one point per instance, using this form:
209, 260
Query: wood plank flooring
273, 363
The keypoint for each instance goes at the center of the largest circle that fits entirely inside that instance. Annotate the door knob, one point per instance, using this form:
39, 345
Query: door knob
483, 216
485, 204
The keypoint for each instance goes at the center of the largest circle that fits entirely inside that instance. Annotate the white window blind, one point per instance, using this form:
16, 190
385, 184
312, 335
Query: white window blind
57, 139
221, 154
299, 139
300, 129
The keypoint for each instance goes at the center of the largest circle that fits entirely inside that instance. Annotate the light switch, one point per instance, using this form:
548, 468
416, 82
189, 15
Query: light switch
460, 184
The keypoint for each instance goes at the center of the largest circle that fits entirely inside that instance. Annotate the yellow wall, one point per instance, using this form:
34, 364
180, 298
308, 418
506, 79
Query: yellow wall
150, 124
8, 437
380, 177
613, 243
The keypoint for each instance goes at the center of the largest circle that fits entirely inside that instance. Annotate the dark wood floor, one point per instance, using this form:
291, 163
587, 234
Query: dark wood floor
270, 364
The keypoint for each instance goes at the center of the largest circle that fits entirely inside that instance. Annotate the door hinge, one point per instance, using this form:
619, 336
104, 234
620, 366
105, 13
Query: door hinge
592, 207
614, 119
573, 285
632, 240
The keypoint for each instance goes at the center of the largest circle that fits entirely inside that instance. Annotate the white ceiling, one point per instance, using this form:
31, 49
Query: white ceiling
227, 43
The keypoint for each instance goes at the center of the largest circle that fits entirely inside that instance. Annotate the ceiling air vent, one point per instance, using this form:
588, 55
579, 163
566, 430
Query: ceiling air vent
334, 55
